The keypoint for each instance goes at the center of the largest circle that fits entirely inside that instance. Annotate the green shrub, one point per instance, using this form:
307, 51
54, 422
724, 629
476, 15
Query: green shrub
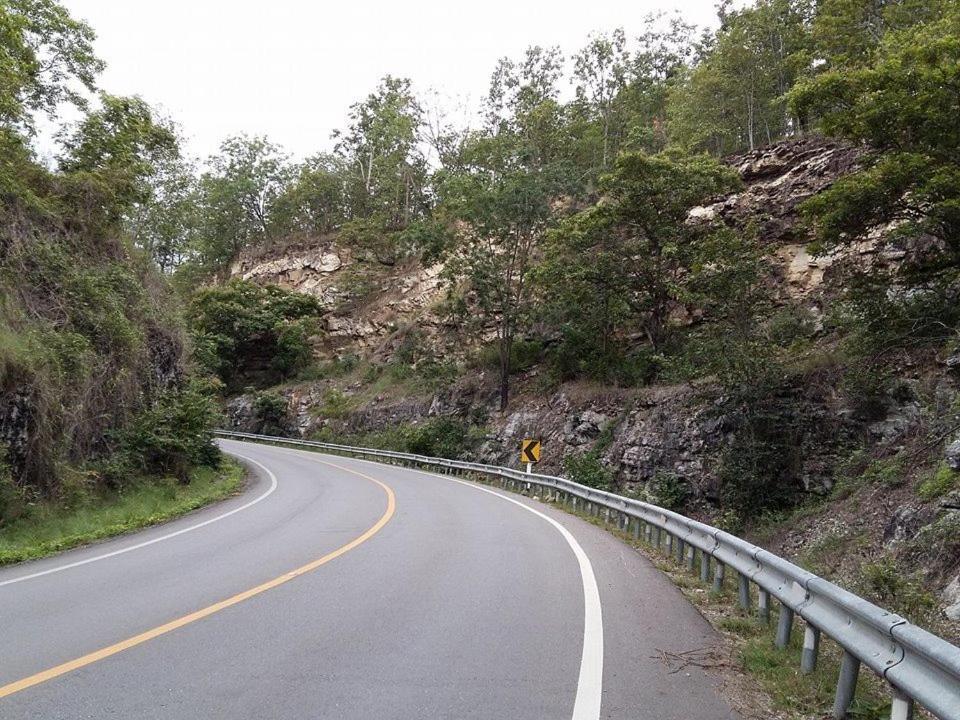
790, 324
438, 437
524, 354
245, 333
942, 481
758, 470
172, 436
587, 470
888, 585
669, 490
293, 352
270, 413
335, 404
12, 500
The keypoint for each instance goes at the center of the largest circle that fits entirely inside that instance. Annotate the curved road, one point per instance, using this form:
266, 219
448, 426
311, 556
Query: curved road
342, 589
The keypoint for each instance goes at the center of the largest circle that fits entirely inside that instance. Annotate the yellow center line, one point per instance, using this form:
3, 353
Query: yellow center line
143, 637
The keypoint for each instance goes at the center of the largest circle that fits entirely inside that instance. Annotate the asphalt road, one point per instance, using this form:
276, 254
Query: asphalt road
336, 588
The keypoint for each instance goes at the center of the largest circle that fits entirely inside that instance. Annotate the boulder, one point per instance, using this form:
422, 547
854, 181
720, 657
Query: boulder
951, 454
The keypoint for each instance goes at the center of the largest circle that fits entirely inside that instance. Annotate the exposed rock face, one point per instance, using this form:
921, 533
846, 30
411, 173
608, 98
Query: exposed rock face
16, 426
776, 180
952, 455
309, 270
951, 596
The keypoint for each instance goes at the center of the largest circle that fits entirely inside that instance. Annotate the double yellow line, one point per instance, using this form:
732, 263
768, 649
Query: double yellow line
143, 637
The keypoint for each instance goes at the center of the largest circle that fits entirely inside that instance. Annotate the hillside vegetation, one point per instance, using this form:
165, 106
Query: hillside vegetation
96, 394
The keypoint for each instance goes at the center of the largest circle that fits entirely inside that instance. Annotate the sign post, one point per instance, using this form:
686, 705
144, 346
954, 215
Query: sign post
530, 453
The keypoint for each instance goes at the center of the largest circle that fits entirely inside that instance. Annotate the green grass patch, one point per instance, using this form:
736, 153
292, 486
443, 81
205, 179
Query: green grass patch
47, 528
943, 480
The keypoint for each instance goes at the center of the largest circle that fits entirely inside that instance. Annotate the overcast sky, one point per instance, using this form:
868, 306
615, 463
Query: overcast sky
290, 69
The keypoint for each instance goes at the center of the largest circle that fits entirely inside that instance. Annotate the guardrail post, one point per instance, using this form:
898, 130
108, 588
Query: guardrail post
744, 591
846, 685
574, 498
691, 557
784, 626
704, 567
669, 543
718, 574
811, 649
606, 515
636, 529
901, 707
657, 537
680, 547
763, 607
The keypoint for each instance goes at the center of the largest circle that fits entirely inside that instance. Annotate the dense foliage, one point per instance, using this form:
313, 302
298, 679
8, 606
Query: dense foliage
249, 334
93, 380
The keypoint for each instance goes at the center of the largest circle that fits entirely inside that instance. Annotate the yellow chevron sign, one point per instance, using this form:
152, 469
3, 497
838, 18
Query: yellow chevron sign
530, 451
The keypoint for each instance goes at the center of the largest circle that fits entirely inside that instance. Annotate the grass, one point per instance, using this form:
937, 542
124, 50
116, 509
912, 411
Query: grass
942, 481
49, 528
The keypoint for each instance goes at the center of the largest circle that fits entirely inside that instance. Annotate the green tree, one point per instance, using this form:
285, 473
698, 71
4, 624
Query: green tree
165, 226
46, 58
905, 105
505, 210
848, 33
237, 198
734, 98
600, 71
315, 201
380, 146
123, 146
634, 258
244, 332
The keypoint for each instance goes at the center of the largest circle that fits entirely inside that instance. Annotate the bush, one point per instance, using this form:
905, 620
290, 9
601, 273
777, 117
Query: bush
439, 437
524, 354
942, 481
248, 334
270, 413
578, 356
170, 437
587, 470
758, 471
669, 490
792, 323
11, 497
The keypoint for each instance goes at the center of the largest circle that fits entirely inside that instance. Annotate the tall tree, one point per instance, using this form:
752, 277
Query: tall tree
380, 146
504, 208
634, 258
904, 103
734, 98
600, 72
46, 57
237, 197
315, 201
124, 145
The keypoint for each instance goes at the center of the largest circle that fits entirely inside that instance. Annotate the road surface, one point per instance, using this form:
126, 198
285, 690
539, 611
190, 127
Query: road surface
342, 589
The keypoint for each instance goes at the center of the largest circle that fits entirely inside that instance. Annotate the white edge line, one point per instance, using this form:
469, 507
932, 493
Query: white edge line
586, 706
121, 551
590, 682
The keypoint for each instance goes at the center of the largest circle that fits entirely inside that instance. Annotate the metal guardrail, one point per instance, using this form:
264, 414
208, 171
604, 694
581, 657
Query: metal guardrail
919, 667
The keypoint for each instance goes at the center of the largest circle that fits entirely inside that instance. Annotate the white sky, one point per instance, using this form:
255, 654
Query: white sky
291, 68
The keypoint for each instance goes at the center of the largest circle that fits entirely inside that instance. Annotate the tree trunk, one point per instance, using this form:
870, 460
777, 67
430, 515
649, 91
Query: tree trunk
505, 345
